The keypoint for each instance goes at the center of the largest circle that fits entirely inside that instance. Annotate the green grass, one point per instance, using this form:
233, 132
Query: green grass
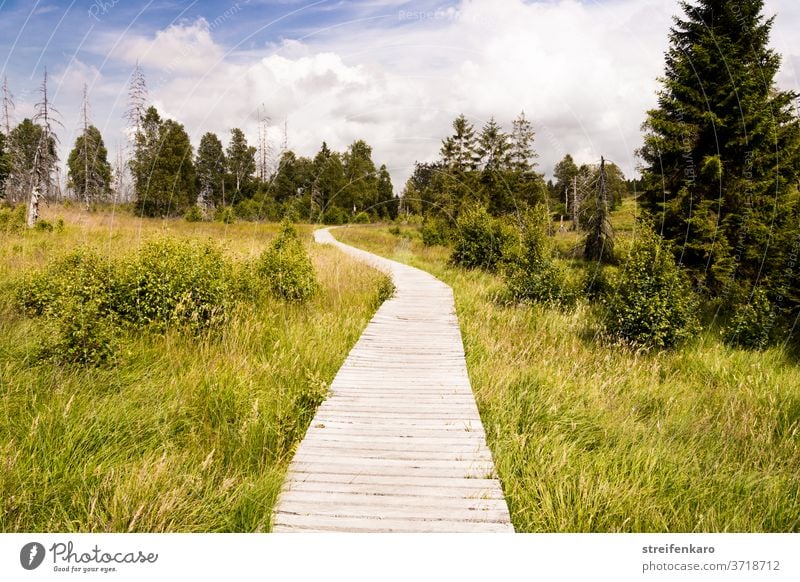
592, 438
182, 433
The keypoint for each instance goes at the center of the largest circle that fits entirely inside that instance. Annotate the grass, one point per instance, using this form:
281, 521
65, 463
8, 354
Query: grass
592, 438
182, 433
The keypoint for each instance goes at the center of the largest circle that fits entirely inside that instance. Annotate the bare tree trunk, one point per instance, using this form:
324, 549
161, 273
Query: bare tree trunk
33, 207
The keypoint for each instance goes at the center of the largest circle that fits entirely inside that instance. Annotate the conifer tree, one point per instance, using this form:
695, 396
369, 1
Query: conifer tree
89, 173
241, 161
721, 149
162, 167
210, 166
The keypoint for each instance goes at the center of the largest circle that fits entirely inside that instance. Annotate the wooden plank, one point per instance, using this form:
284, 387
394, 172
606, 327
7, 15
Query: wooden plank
285, 523
398, 445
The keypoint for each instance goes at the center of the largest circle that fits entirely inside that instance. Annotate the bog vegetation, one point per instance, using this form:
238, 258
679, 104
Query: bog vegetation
153, 378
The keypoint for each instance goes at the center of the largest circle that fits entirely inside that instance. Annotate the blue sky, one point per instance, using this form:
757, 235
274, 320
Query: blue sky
392, 72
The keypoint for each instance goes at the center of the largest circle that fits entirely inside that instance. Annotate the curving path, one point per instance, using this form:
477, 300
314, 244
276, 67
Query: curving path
399, 445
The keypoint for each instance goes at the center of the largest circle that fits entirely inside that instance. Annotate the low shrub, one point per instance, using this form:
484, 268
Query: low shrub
194, 214
335, 216
436, 231
752, 322
82, 334
285, 267
531, 271
176, 281
81, 276
225, 215
480, 240
12, 219
653, 304
362, 218
44, 226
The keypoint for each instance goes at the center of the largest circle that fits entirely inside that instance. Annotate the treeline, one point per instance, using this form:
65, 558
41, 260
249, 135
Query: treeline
496, 169
333, 187
170, 179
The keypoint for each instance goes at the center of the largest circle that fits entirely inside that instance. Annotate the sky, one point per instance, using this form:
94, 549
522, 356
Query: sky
391, 72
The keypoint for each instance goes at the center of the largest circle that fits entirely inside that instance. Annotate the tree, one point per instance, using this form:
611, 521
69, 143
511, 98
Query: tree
241, 161
23, 144
565, 173
210, 166
460, 151
493, 147
5, 165
387, 205
722, 149
360, 192
162, 167
521, 155
89, 173
137, 102
42, 180
599, 243
328, 181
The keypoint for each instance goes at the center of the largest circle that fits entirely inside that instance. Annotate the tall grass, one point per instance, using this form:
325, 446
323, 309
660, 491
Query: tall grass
184, 432
592, 438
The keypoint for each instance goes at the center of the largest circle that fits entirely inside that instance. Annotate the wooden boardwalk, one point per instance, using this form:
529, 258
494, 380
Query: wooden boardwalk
399, 445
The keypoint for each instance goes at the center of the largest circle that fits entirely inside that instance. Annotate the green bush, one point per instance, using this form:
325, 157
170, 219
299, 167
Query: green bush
653, 304
225, 215
12, 219
334, 215
194, 214
82, 276
436, 231
285, 267
531, 272
480, 240
752, 323
176, 281
44, 226
599, 281
362, 218
82, 334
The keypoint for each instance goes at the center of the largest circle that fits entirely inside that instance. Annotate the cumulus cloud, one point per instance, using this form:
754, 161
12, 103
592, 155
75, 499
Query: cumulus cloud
584, 72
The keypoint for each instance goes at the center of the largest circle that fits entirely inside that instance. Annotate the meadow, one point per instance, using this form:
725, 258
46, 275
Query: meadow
593, 437
179, 432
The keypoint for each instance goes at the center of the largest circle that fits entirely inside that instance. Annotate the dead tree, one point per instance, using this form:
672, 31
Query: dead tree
42, 183
599, 243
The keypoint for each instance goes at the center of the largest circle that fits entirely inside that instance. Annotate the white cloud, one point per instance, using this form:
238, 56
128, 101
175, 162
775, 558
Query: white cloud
584, 72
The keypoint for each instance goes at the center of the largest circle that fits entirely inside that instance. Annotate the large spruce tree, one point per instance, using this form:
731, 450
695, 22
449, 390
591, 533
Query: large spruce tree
162, 167
89, 173
210, 166
721, 151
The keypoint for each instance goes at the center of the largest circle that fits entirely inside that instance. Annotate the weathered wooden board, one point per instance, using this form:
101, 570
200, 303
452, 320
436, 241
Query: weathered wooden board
399, 445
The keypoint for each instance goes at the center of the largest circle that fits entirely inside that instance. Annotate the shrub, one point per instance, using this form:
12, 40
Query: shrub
225, 215
480, 240
653, 304
532, 274
752, 323
44, 226
286, 268
82, 335
79, 277
12, 219
600, 281
334, 215
176, 281
194, 214
436, 231
362, 218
